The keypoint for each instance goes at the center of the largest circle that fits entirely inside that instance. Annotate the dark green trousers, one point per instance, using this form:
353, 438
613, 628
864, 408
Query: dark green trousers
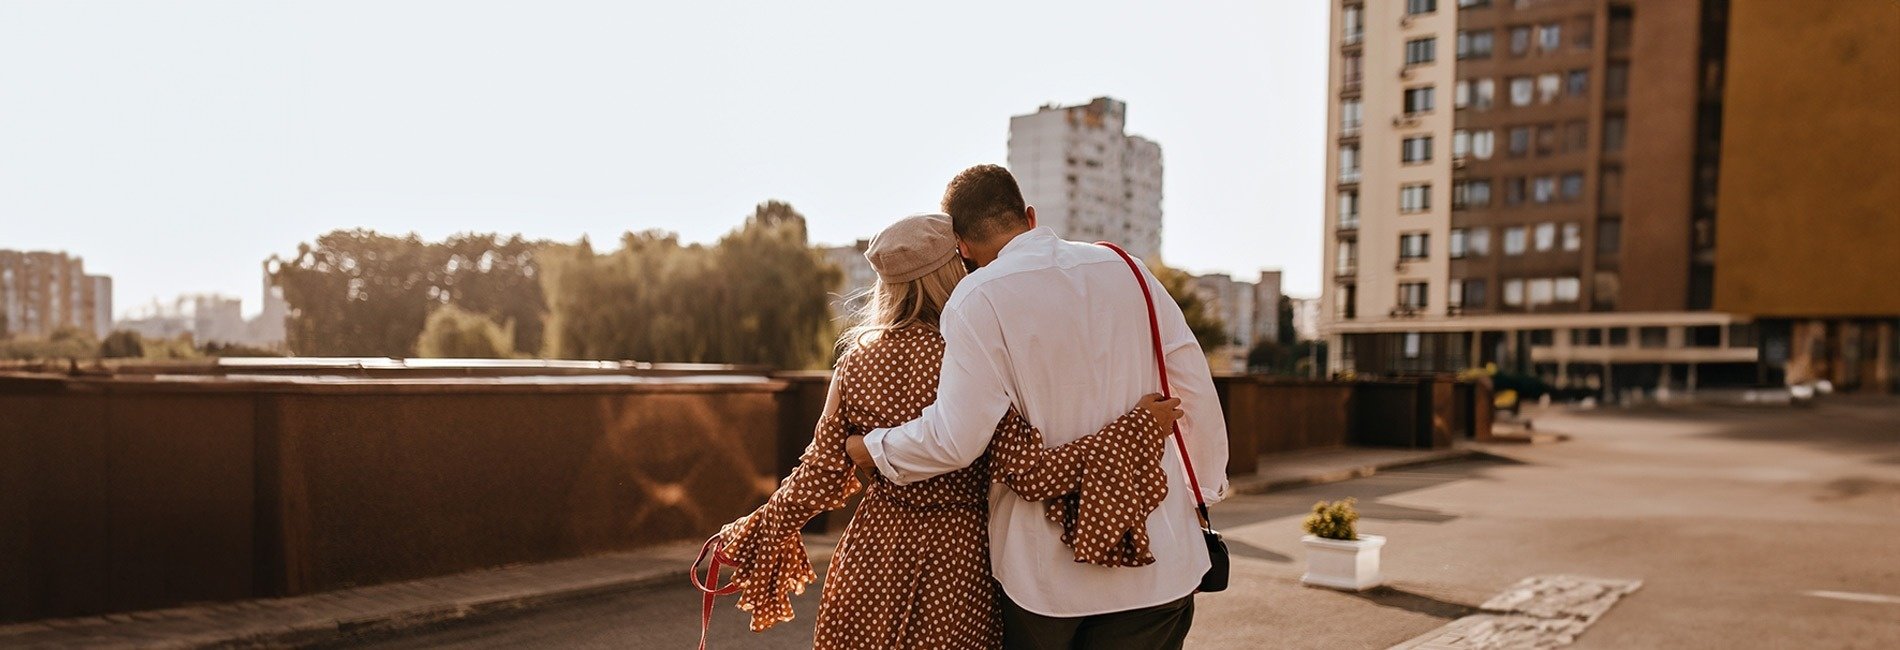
1149, 628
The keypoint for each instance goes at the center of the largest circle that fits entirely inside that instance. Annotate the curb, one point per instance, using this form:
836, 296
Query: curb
1263, 486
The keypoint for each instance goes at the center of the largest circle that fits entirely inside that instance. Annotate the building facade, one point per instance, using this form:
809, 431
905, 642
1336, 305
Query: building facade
1249, 310
1087, 178
859, 277
1810, 184
1529, 183
41, 292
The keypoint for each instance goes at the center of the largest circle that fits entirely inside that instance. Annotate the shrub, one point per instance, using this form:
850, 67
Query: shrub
452, 332
122, 344
1334, 520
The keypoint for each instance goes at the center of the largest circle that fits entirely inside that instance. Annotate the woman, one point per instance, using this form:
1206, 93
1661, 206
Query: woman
912, 569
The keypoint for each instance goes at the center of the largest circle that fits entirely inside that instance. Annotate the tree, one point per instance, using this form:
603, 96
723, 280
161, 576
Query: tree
452, 332
1207, 326
122, 344
755, 297
362, 293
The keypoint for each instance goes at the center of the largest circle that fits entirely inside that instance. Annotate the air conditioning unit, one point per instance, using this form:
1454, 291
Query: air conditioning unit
1405, 73
1457, 163
1401, 121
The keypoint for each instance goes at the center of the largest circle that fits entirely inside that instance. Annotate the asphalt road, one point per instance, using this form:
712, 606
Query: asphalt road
1752, 528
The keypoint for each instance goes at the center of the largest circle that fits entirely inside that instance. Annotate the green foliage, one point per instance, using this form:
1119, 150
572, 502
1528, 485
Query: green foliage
755, 297
218, 349
122, 344
64, 343
1336, 520
453, 332
362, 293
1208, 329
1295, 360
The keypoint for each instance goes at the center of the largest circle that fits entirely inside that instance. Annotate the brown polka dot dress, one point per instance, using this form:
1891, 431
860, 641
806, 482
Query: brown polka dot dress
912, 569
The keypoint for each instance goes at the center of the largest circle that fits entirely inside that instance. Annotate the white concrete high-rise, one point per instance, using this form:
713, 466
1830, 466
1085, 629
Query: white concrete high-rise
1087, 178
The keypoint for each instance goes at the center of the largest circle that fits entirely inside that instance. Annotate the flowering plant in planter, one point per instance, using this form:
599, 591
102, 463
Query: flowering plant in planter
1337, 555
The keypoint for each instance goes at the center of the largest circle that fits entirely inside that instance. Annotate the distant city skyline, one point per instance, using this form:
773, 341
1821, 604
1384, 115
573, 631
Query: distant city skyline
176, 146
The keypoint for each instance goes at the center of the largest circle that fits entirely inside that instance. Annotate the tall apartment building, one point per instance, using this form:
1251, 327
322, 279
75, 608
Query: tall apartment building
1809, 196
1529, 183
1087, 178
43, 291
1250, 310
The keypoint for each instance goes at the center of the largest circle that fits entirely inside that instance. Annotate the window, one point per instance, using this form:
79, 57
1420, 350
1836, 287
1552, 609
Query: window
1514, 240
1351, 116
1520, 40
1545, 236
1616, 81
1546, 139
1352, 70
1348, 209
1410, 344
1455, 294
1514, 293
1610, 190
1613, 133
1483, 93
1579, 83
1621, 20
1347, 261
1474, 44
1352, 24
1415, 7
1572, 186
1586, 337
1550, 86
1576, 136
1477, 242
1520, 141
1348, 302
1514, 190
1472, 296
1414, 246
1543, 189
1416, 150
1349, 163
1568, 289
1460, 144
1412, 295
1654, 337
1573, 237
1461, 94
1521, 91
1457, 247
1418, 100
1550, 37
1415, 198
1474, 193
1470, 4
1542, 291
1421, 51
1482, 144
1609, 236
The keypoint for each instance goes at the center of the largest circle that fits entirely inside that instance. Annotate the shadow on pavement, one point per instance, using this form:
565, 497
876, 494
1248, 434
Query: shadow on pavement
1416, 603
1251, 509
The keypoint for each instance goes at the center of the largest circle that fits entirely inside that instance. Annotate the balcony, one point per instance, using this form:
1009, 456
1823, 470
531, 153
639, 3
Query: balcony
1349, 175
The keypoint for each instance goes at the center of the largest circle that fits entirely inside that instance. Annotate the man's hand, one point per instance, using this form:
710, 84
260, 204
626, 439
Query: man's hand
861, 455
1165, 411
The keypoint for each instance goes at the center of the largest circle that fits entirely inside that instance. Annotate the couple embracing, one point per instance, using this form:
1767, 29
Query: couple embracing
1023, 490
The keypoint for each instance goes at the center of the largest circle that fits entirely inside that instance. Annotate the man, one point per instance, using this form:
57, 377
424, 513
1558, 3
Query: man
1060, 330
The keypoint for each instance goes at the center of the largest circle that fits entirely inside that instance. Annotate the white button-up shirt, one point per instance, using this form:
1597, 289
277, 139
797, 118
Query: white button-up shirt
1059, 329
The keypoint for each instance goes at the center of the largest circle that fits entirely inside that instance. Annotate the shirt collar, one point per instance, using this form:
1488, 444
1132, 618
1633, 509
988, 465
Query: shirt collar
1024, 241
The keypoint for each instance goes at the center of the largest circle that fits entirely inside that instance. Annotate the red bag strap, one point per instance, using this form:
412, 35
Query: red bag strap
1161, 364
709, 587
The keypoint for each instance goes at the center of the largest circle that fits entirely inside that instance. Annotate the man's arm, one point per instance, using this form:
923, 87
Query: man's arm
971, 397
1204, 428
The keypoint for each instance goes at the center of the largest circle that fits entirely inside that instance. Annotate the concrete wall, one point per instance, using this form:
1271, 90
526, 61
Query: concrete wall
130, 493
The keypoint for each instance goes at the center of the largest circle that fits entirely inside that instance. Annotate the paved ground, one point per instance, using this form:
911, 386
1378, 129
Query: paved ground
1734, 519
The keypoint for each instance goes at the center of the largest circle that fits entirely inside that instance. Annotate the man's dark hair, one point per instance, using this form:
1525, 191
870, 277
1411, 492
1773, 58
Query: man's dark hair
983, 201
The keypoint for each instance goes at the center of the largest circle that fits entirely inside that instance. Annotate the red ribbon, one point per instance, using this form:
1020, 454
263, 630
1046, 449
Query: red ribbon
709, 587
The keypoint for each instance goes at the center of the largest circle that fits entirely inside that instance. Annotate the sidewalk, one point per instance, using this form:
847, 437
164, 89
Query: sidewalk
347, 613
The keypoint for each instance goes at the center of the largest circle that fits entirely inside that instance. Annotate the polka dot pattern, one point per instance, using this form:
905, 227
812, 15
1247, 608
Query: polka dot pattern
913, 568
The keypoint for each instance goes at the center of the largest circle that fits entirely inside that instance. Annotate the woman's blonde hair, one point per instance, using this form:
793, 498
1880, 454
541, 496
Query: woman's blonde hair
897, 305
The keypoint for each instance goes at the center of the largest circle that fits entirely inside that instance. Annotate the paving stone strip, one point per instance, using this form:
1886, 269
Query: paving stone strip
1537, 612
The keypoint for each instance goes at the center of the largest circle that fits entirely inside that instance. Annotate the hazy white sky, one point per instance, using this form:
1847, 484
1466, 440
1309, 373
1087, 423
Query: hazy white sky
175, 145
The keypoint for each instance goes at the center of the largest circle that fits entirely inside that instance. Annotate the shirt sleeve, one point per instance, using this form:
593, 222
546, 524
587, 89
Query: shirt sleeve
1204, 427
971, 397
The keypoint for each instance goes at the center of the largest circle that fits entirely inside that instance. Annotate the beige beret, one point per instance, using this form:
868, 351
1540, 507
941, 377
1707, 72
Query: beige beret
912, 247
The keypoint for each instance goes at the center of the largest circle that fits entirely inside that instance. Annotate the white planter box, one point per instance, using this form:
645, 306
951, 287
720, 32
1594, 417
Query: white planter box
1339, 564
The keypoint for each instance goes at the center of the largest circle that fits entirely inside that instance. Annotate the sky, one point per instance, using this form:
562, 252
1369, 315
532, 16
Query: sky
177, 145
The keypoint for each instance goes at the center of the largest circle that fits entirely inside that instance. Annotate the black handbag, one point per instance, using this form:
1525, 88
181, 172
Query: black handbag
1216, 577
